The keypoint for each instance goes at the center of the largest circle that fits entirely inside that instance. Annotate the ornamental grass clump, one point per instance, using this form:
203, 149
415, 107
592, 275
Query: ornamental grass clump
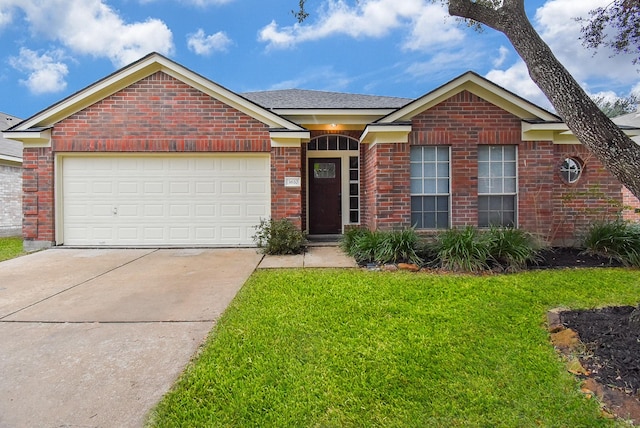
512, 249
616, 240
462, 250
381, 247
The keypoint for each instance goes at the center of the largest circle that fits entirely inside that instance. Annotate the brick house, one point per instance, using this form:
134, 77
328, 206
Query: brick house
157, 155
10, 181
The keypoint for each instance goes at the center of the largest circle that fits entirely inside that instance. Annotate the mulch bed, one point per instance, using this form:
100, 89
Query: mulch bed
609, 348
566, 257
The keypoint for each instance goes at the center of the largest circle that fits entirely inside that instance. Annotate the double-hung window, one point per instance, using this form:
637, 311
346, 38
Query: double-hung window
497, 186
430, 187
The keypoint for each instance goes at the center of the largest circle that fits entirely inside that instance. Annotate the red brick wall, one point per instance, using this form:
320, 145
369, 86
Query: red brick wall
386, 199
463, 122
596, 196
631, 206
156, 114
556, 211
38, 195
286, 202
160, 114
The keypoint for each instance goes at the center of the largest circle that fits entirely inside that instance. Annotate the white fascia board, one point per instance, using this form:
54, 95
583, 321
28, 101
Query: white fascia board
333, 116
288, 138
228, 97
381, 134
144, 68
10, 159
559, 133
477, 85
30, 138
92, 94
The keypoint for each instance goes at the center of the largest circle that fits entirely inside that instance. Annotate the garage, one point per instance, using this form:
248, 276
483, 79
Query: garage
163, 200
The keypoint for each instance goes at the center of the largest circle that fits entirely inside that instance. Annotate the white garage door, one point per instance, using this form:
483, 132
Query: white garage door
164, 200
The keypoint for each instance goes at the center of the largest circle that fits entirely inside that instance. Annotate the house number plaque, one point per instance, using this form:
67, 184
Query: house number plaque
292, 182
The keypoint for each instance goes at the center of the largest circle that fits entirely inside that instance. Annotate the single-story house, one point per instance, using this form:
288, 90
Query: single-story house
158, 155
10, 181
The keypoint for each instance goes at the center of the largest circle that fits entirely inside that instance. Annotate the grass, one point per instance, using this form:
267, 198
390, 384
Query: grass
351, 348
10, 247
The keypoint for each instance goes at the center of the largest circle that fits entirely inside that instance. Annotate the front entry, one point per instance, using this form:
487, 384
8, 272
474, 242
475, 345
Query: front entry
325, 196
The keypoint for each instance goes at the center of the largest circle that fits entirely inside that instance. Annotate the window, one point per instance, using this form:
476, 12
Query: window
570, 170
497, 186
430, 187
354, 189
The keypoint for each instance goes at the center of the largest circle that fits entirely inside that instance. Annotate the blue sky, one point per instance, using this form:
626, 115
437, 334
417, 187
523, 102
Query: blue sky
406, 48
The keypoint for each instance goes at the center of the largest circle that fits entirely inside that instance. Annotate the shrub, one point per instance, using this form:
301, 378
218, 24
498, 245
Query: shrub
279, 237
349, 238
398, 246
381, 247
616, 240
365, 246
511, 249
462, 250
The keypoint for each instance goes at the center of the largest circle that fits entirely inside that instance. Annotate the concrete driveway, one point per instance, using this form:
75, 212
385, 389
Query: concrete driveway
94, 338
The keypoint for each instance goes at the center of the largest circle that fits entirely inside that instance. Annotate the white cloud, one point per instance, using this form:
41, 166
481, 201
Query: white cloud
516, 79
46, 72
556, 23
199, 3
91, 27
202, 44
433, 28
367, 18
503, 53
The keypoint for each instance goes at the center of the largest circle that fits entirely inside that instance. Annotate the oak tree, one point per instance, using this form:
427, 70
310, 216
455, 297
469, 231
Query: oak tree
617, 152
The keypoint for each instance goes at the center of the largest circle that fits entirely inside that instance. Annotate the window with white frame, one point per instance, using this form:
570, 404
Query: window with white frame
430, 187
497, 186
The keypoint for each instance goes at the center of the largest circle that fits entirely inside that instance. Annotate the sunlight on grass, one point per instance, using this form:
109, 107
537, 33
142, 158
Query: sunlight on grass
356, 348
10, 247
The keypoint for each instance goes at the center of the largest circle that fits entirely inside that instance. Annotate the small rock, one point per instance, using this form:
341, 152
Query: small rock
565, 340
389, 268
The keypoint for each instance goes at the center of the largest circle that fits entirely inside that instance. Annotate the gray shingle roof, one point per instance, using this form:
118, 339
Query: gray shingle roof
9, 147
308, 99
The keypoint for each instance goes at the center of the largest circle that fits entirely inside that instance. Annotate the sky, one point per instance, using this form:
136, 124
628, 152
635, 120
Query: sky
404, 48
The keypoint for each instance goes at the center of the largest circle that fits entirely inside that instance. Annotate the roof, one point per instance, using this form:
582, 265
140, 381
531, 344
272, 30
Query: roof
631, 120
310, 99
9, 149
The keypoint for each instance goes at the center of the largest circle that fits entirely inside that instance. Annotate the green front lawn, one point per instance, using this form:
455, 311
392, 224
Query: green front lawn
336, 348
10, 248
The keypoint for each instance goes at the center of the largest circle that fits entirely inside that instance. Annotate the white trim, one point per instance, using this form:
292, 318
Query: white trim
479, 86
30, 138
11, 159
381, 134
140, 70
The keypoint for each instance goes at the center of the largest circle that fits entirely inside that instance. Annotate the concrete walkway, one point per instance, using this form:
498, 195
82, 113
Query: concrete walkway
94, 338
315, 257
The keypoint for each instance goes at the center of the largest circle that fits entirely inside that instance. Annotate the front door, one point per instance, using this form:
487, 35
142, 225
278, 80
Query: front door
325, 196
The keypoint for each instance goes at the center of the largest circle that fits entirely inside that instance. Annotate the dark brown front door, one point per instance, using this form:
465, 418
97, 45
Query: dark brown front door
325, 197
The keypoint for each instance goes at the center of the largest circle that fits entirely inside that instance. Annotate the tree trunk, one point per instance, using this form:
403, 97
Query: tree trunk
617, 152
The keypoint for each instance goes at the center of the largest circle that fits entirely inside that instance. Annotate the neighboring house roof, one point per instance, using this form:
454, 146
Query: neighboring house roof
309, 99
10, 150
631, 120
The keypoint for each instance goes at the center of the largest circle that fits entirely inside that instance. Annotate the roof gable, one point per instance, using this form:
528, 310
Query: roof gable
133, 73
479, 86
